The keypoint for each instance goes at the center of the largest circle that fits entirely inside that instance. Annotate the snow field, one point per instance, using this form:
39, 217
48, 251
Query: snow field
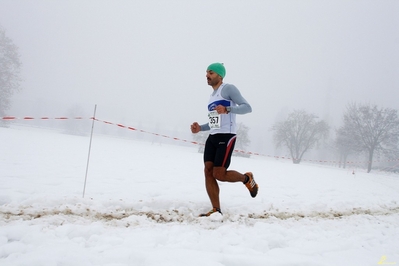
142, 200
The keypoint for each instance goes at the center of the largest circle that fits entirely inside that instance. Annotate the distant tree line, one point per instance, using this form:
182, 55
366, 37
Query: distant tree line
367, 129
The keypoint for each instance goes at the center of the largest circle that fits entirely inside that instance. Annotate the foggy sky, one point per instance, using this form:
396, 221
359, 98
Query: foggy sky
143, 62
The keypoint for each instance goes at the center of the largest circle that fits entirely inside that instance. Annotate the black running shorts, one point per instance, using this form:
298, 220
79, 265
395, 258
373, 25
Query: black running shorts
218, 149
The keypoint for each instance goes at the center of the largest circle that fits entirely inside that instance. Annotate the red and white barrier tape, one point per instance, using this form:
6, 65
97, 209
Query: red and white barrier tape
187, 141
41, 118
143, 131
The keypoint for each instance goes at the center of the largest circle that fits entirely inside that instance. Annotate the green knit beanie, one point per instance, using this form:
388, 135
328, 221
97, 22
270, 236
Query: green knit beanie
218, 68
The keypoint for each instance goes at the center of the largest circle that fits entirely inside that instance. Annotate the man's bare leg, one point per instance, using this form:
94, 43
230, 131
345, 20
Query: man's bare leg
221, 174
211, 185
212, 174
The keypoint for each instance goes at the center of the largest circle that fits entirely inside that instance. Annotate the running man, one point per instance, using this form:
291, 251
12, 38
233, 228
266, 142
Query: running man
225, 102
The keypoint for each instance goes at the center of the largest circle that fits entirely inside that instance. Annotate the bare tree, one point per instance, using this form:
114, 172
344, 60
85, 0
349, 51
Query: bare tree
10, 65
299, 133
376, 130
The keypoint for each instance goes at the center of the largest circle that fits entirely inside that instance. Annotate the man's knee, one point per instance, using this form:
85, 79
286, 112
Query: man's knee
219, 173
208, 169
208, 173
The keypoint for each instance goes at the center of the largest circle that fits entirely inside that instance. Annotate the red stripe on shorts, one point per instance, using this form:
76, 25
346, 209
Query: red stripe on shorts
229, 146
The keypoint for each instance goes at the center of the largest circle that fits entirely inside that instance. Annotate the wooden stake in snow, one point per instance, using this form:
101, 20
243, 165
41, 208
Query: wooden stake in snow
88, 157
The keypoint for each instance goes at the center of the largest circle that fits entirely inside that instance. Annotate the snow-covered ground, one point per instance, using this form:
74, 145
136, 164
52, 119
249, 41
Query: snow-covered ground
142, 200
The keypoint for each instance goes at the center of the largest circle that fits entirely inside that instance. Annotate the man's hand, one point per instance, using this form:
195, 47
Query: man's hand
221, 109
195, 128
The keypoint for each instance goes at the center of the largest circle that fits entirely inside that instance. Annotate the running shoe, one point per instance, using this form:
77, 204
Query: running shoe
214, 210
251, 185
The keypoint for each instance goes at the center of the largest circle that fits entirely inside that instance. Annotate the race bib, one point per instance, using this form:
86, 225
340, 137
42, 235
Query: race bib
214, 119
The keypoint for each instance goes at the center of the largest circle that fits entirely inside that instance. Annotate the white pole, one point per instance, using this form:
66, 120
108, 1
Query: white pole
88, 157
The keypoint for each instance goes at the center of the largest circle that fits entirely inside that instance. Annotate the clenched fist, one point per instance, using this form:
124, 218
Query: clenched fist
195, 128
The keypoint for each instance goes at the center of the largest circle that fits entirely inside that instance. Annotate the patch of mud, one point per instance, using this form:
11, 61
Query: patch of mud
132, 216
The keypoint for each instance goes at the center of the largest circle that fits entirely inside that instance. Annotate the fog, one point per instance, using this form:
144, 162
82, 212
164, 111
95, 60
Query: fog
143, 62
